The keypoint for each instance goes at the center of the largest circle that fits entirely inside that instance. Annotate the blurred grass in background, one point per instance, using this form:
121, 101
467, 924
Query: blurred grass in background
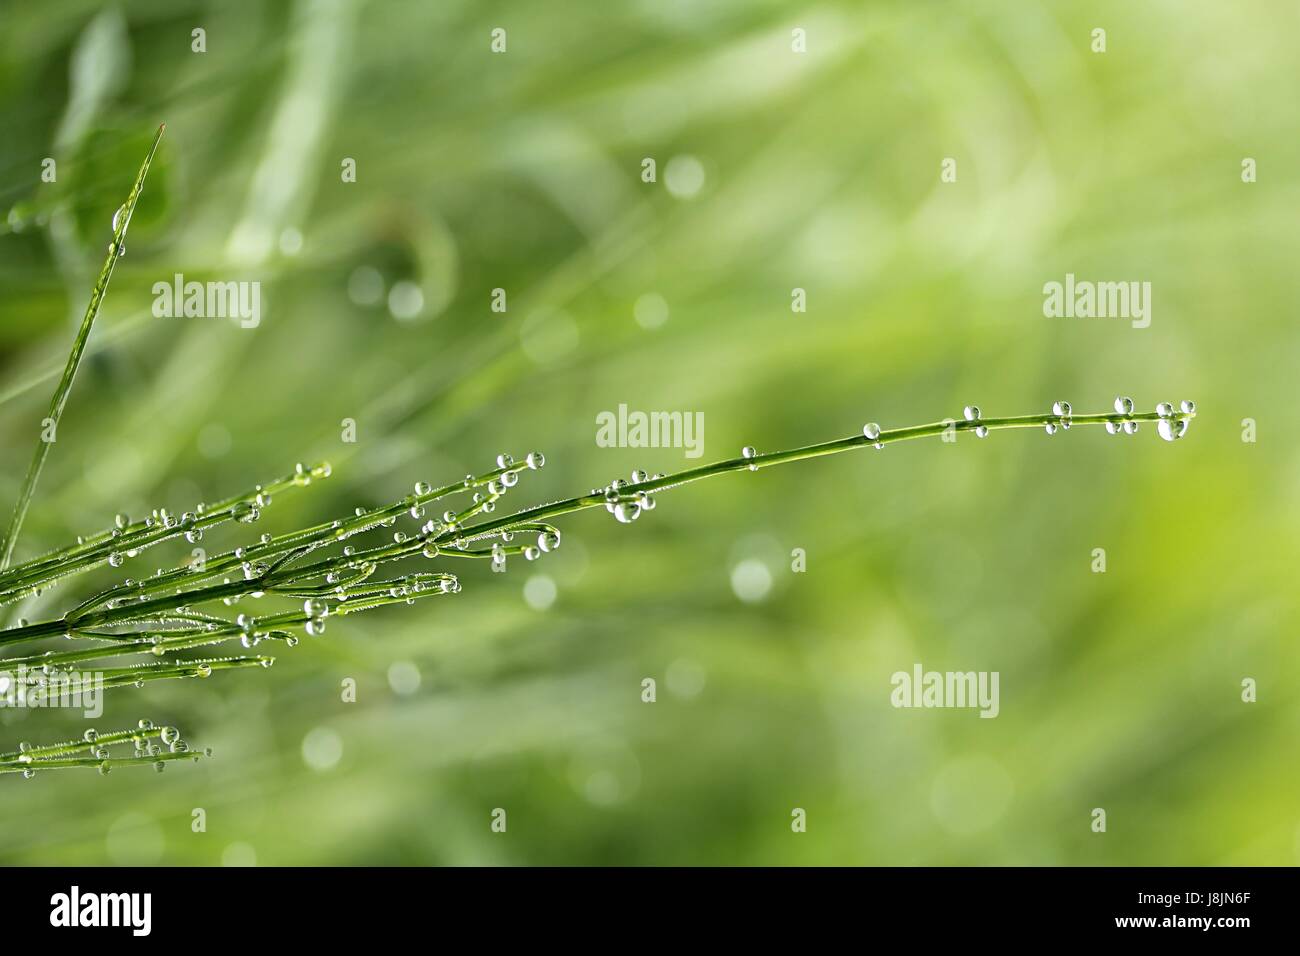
820, 171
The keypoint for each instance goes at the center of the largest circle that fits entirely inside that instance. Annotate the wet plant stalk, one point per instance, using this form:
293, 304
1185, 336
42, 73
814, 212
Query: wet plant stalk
629, 492
121, 221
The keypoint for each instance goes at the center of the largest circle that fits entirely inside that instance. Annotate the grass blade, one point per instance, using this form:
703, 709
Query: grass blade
120, 223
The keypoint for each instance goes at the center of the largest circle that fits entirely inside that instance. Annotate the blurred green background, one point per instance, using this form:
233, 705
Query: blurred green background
776, 170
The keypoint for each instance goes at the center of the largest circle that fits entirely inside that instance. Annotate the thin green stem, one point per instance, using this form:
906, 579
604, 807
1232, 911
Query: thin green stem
629, 492
29, 760
50, 425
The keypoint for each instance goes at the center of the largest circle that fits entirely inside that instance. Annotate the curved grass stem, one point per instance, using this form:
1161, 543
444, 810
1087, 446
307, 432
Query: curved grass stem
631, 491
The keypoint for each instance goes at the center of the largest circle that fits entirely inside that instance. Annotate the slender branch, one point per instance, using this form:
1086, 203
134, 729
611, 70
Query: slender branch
631, 492
121, 220
148, 742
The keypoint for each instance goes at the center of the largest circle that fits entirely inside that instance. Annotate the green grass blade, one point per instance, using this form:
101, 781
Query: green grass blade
121, 222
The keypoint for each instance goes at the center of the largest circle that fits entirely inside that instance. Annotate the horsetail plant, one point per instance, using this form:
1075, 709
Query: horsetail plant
93, 750
149, 626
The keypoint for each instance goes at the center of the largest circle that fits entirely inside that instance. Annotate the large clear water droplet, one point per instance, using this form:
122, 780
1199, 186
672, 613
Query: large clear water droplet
1171, 429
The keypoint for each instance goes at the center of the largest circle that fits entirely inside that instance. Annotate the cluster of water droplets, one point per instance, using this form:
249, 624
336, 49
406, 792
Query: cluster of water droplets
483, 502
1123, 406
627, 505
972, 414
148, 746
1170, 428
1062, 412
188, 523
316, 611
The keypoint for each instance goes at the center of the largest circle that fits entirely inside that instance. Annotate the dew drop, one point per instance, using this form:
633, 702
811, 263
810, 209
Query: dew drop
1171, 429
245, 512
